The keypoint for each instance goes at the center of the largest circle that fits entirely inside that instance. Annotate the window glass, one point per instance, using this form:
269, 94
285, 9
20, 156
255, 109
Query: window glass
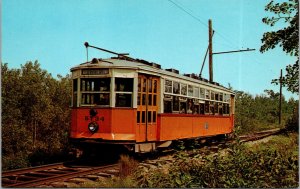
100, 88
227, 109
226, 97
201, 108
221, 96
95, 84
124, 84
206, 107
217, 96
144, 99
154, 100
207, 94
103, 99
196, 92
211, 108
212, 95
176, 88
138, 116
167, 106
220, 109
150, 85
144, 85
154, 117
175, 103
149, 116
196, 109
139, 99
75, 99
190, 106
155, 86
143, 116
75, 92
183, 89
139, 84
74, 85
168, 86
183, 107
123, 100
150, 99
216, 108
202, 93
190, 90
104, 85
123, 88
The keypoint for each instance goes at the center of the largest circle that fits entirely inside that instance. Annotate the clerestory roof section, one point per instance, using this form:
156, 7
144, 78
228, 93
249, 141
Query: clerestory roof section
146, 67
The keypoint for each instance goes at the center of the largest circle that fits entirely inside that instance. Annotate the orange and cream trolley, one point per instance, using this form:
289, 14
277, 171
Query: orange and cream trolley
137, 104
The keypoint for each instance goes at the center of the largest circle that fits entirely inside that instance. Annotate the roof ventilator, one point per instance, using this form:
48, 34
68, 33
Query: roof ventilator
173, 70
95, 61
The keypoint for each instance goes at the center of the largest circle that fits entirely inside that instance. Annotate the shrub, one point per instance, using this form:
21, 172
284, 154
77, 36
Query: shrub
268, 165
15, 161
127, 166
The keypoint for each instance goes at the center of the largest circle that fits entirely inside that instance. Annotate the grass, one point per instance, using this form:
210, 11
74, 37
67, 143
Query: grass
269, 164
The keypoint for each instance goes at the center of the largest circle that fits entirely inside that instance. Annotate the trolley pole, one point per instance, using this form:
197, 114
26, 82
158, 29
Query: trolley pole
210, 55
280, 96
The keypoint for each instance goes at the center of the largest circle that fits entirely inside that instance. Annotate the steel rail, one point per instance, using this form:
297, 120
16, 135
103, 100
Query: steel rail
31, 169
261, 135
61, 177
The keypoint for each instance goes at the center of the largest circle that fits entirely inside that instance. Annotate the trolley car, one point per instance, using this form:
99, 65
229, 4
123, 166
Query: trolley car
139, 105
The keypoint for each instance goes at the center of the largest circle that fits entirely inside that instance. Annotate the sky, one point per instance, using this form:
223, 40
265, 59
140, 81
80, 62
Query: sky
173, 33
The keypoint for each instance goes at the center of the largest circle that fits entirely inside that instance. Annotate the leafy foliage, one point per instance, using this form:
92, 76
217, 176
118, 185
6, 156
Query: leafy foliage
287, 38
262, 111
274, 164
35, 114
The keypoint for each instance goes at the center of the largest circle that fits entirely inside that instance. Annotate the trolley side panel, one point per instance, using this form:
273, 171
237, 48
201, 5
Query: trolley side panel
178, 126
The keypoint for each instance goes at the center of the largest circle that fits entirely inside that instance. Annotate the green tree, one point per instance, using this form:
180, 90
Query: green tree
35, 115
287, 38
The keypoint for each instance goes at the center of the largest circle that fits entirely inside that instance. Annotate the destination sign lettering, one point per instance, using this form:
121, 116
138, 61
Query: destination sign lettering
102, 71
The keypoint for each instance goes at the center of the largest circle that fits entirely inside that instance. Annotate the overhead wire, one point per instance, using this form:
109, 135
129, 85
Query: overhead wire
184, 10
189, 12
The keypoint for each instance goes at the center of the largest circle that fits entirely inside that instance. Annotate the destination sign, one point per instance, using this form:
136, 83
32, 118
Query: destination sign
100, 71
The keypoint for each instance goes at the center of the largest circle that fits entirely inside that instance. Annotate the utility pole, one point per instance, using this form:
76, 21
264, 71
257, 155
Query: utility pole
210, 52
280, 96
210, 55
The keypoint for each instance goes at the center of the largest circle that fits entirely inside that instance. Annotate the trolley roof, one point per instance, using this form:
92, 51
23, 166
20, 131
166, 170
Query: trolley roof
145, 67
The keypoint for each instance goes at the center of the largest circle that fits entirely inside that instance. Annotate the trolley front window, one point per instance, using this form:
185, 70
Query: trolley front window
95, 91
123, 89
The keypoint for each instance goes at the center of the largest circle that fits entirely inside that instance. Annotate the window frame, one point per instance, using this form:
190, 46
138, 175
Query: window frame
87, 94
116, 92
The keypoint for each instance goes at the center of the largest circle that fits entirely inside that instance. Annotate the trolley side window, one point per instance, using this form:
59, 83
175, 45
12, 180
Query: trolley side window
123, 89
168, 86
196, 92
75, 92
190, 90
202, 93
183, 89
168, 104
176, 87
95, 91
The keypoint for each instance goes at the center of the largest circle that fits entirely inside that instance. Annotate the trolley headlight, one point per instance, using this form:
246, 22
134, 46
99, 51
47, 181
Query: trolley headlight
93, 127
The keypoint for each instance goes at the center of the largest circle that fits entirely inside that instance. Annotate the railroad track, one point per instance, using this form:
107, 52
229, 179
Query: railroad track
259, 135
45, 175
